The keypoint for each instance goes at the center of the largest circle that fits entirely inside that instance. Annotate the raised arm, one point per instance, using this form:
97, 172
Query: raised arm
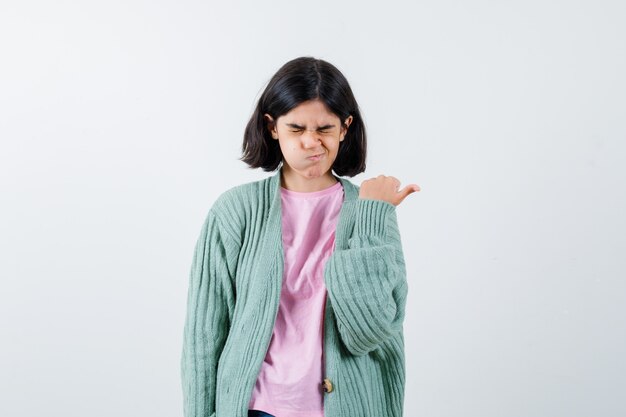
366, 282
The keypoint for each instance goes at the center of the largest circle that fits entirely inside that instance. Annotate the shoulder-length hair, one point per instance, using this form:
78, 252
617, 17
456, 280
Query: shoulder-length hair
302, 79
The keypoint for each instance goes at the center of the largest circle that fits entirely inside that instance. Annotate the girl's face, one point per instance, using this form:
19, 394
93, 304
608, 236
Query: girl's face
309, 137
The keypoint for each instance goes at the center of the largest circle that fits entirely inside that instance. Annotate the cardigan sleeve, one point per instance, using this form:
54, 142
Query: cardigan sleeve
366, 281
210, 302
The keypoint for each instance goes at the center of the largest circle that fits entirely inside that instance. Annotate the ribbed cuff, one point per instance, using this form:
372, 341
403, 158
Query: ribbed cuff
371, 217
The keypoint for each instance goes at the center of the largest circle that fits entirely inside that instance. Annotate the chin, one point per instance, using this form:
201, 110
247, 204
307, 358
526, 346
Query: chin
314, 172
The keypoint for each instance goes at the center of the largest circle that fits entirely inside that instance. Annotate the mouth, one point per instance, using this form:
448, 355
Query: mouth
316, 157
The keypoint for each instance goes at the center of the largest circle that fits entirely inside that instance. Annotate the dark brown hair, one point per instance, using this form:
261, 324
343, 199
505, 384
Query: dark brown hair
299, 80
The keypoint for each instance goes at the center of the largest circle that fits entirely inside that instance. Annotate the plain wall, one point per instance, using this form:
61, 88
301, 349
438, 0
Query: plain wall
122, 121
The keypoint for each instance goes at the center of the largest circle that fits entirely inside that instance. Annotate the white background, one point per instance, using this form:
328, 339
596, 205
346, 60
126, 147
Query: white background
122, 121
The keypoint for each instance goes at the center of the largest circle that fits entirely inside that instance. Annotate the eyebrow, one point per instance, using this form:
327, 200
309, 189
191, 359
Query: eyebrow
297, 126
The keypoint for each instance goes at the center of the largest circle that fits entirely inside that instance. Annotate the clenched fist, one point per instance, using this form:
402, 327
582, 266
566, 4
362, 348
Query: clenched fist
386, 188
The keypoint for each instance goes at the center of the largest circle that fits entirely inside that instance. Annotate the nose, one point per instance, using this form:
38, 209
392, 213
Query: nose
310, 138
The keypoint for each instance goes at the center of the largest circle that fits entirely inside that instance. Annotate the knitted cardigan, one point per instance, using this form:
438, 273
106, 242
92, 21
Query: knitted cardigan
233, 297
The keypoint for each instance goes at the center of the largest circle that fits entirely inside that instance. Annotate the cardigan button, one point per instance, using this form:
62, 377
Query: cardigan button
328, 386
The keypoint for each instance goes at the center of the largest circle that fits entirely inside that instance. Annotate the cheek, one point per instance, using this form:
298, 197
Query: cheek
286, 147
334, 146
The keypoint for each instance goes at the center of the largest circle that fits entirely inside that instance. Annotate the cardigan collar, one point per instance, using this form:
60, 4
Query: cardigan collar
274, 218
351, 191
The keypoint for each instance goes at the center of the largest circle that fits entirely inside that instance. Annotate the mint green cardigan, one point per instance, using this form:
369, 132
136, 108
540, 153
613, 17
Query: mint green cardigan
234, 291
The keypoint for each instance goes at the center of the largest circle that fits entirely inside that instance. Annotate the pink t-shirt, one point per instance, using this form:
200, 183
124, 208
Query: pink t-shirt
289, 383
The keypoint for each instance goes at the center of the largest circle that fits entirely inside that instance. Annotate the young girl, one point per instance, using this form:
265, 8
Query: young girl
298, 285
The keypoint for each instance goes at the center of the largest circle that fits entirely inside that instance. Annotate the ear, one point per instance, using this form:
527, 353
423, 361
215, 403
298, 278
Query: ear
271, 125
345, 125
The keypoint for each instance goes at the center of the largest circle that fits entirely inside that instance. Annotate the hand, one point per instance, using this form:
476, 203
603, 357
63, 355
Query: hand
386, 188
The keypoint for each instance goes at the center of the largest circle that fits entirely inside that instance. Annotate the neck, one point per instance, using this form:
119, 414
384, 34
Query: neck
294, 182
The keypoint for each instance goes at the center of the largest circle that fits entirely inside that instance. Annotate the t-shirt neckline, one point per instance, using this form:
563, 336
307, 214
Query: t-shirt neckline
310, 194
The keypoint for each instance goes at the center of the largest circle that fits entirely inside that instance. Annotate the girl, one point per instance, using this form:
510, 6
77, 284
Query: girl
298, 285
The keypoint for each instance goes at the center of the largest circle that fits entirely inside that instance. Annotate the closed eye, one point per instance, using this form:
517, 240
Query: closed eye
300, 130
